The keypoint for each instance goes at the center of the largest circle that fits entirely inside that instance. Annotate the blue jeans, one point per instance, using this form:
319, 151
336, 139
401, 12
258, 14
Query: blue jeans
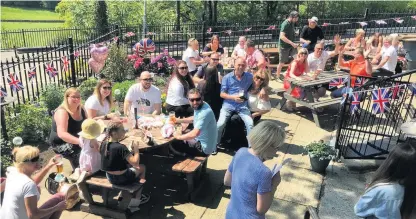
225, 115
339, 92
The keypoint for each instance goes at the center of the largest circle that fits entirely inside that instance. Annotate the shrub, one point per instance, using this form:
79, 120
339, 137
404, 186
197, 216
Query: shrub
123, 87
32, 123
320, 150
52, 96
87, 88
117, 67
6, 159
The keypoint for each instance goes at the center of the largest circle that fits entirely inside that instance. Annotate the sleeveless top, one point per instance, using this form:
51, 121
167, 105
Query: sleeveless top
74, 127
357, 44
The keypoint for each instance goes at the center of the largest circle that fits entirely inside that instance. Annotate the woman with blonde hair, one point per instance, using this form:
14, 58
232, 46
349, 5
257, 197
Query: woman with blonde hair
375, 43
99, 104
252, 183
358, 41
259, 106
66, 124
191, 56
22, 194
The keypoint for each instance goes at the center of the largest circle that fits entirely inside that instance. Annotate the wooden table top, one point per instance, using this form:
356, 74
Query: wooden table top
137, 135
324, 78
270, 50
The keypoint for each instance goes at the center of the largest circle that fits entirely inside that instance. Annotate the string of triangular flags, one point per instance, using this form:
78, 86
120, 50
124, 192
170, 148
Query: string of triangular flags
16, 84
380, 97
398, 20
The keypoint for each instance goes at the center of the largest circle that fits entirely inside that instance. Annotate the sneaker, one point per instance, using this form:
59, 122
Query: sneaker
214, 152
81, 177
133, 209
144, 199
74, 176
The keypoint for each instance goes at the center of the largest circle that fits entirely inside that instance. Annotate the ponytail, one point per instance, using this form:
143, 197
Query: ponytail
113, 126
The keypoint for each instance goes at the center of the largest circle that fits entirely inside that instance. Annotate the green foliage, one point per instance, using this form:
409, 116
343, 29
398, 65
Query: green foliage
320, 150
6, 160
77, 13
32, 123
12, 13
117, 68
160, 82
52, 96
101, 18
122, 87
87, 88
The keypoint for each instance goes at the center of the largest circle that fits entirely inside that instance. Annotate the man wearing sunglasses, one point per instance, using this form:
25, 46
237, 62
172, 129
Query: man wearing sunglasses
201, 141
143, 96
213, 62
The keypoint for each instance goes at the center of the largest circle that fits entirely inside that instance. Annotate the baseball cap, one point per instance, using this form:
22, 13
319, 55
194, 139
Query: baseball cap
294, 14
314, 19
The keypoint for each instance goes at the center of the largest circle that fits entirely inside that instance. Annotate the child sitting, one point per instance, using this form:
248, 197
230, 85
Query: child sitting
116, 160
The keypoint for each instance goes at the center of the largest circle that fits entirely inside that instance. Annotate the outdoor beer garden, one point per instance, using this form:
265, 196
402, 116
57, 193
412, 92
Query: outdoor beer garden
297, 117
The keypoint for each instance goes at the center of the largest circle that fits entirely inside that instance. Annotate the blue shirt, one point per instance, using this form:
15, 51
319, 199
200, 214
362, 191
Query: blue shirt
249, 178
231, 86
382, 201
204, 120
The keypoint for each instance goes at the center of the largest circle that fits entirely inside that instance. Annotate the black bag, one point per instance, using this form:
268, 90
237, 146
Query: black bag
51, 185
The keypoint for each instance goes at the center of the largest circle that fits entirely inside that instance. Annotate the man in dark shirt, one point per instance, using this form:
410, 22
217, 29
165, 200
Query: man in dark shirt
310, 34
214, 61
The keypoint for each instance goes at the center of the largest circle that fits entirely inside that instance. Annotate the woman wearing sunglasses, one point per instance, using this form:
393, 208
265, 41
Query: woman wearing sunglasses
258, 106
179, 85
99, 104
22, 194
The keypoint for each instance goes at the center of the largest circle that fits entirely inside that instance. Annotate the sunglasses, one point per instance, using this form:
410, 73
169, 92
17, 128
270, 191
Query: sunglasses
33, 160
75, 97
215, 59
107, 88
194, 99
303, 53
183, 68
259, 78
148, 79
319, 48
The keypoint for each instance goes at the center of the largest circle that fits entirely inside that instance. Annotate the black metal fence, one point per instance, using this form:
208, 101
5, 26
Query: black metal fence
363, 134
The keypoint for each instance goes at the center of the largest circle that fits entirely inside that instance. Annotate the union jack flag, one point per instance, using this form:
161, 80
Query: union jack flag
325, 24
363, 24
3, 92
228, 32
397, 90
50, 69
209, 30
65, 63
381, 100
355, 103
272, 27
76, 54
14, 82
337, 82
413, 17
359, 81
130, 34
398, 20
147, 45
115, 39
379, 22
247, 29
31, 73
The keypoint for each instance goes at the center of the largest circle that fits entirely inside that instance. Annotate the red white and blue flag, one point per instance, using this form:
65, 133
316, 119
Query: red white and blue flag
337, 82
50, 69
209, 30
397, 91
14, 82
147, 45
3, 92
31, 73
129, 34
381, 100
355, 103
65, 64
359, 81
76, 54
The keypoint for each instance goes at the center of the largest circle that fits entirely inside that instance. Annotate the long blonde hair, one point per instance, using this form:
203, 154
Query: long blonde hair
65, 104
97, 92
24, 154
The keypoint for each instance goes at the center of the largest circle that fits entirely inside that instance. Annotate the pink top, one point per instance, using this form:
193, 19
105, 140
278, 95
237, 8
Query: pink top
90, 158
254, 58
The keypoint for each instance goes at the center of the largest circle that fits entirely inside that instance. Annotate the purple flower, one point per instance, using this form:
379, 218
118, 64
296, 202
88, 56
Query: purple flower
159, 65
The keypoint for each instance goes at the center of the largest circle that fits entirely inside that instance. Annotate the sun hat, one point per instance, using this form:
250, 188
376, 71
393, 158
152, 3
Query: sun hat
313, 19
91, 129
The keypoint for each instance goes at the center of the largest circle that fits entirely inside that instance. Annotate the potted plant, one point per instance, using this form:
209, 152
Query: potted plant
320, 154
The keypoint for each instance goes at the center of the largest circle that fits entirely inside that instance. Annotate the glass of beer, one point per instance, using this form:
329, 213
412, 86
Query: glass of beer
172, 116
59, 164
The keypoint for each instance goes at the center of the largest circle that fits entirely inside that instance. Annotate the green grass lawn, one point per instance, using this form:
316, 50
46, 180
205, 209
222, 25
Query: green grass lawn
28, 25
12, 13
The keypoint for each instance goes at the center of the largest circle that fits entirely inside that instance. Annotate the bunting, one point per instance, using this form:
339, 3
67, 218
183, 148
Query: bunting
65, 64
3, 92
31, 73
14, 82
381, 100
50, 69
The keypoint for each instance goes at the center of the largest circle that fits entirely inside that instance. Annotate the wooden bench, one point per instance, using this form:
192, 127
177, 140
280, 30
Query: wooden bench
278, 91
311, 213
104, 209
194, 169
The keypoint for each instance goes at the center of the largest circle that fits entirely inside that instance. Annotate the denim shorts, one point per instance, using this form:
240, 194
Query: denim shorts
127, 178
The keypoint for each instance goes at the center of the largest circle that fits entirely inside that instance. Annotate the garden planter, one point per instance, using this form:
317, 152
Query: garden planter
319, 166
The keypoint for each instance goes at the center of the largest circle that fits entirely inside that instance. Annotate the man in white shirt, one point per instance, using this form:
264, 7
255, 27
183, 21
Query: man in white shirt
317, 60
191, 56
239, 50
143, 96
388, 56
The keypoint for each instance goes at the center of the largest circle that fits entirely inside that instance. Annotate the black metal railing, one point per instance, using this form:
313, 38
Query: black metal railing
362, 134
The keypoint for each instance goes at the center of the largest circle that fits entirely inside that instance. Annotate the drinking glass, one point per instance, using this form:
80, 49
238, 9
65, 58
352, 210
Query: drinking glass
59, 164
241, 92
172, 116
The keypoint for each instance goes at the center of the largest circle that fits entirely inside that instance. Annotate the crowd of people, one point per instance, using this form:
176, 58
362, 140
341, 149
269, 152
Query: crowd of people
199, 93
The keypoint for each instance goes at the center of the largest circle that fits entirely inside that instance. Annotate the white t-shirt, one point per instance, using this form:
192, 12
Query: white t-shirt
256, 104
240, 50
143, 100
18, 187
317, 63
392, 62
93, 103
189, 53
175, 95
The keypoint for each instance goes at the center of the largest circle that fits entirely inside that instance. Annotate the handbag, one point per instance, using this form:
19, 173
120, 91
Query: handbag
51, 184
65, 149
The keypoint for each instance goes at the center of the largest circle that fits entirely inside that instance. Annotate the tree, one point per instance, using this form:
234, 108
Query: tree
101, 18
77, 13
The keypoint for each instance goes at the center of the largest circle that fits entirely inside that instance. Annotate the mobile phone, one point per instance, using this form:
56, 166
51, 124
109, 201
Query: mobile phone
243, 98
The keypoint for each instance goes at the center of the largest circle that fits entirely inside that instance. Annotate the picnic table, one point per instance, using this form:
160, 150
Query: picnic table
308, 86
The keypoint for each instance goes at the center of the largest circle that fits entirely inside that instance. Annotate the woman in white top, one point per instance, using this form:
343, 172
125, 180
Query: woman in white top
258, 106
191, 56
22, 194
179, 85
239, 50
99, 104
